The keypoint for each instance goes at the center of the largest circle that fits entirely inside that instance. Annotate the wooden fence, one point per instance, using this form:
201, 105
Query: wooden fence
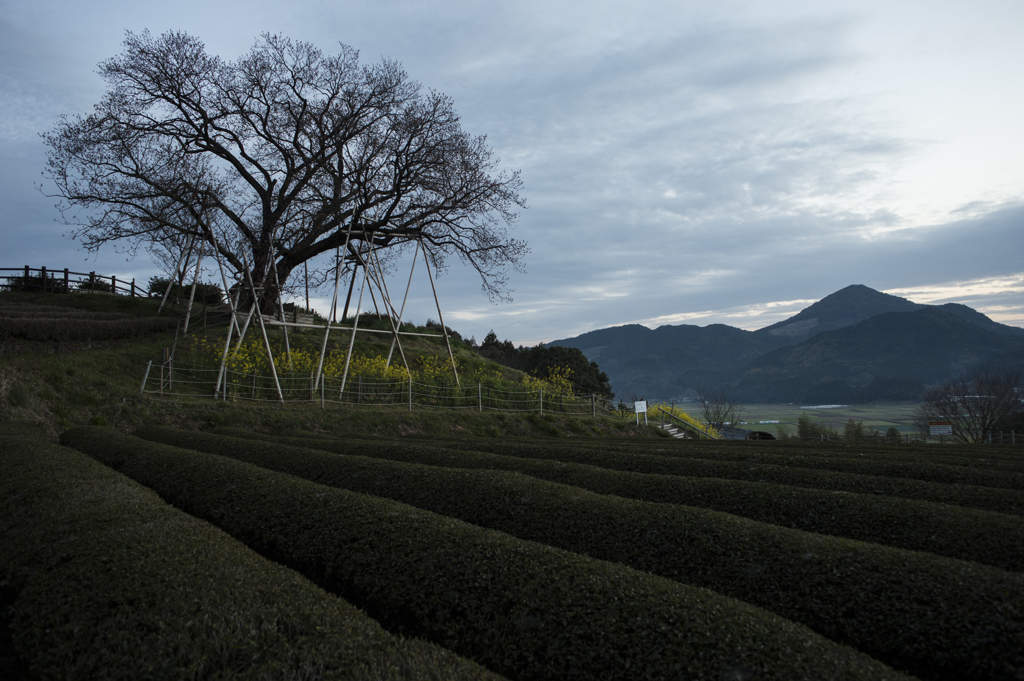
43, 280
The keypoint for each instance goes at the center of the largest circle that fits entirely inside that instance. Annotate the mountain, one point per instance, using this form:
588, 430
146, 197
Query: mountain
843, 308
855, 345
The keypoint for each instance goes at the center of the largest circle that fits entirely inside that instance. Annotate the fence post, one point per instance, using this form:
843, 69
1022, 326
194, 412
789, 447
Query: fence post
24, 281
542, 401
410, 392
92, 282
480, 396
42, 277
67, 289
593, 405
113, 284
133, 287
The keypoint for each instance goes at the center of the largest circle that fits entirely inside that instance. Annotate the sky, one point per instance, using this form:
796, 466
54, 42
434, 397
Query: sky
683, 162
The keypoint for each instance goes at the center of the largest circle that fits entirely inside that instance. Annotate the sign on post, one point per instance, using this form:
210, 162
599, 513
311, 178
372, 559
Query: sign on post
940, 428
640, 407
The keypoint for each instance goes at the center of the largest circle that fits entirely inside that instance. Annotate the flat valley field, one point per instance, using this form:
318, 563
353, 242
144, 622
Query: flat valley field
880, 416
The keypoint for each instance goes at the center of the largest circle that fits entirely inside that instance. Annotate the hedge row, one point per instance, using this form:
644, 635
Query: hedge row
954, 532
951, 470
984, 498
976, 457
982, 457
987, 498
67, 329
923, 469
524, 609
915, 611
112, 583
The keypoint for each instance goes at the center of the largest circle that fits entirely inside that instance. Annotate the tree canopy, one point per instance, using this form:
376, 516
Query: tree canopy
278, 157
975, 407
540, 361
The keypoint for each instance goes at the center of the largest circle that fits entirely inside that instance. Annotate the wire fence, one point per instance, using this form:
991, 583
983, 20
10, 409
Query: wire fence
171, 378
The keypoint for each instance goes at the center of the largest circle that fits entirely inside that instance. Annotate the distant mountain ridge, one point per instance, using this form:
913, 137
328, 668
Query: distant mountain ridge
854, 345
843, 308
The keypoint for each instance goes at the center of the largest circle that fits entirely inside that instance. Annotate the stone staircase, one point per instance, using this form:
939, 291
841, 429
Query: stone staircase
673, 431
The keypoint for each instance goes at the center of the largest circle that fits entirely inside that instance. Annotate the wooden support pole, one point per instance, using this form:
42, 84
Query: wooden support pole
352, 340
441, 317
280, 302
191, 293
174, 278
145, 377
390, 309
263, 329
401, 312
334, 306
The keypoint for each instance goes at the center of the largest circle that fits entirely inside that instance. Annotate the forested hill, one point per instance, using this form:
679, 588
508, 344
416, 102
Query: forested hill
855, 345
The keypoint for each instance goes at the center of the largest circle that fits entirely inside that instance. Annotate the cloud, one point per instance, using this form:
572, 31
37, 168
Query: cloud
682, 163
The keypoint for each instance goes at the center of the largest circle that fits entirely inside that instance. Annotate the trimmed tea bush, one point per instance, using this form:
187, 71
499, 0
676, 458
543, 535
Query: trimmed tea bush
112, 583
525, 609
986, 498
914, 611
947, 529
915, 467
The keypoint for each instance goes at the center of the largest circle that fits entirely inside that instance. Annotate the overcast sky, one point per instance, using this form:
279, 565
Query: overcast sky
683, 162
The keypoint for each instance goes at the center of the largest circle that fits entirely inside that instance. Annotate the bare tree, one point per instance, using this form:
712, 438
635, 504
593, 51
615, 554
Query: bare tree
278, 157
719, 407
974, 406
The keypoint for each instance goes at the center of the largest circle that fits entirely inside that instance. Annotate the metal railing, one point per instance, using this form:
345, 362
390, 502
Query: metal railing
686, 425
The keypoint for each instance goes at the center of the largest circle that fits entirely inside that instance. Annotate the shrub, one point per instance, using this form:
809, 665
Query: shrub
36, 283
95, 285
525, 609
209, 294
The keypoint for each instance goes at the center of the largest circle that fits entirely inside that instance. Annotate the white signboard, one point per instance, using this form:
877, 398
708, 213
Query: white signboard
640, 408
940, 428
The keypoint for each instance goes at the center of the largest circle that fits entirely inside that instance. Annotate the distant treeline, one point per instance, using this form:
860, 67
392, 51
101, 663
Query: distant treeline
539, 361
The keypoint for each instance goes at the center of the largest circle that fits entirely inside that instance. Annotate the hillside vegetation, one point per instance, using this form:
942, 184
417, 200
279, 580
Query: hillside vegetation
79, 359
